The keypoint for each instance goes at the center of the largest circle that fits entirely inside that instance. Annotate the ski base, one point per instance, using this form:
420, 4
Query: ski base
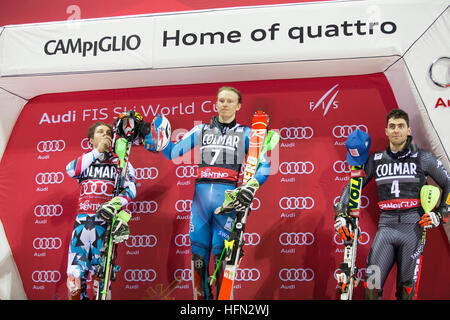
226, 289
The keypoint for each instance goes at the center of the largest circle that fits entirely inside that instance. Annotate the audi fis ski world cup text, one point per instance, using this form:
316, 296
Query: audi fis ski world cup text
111, 112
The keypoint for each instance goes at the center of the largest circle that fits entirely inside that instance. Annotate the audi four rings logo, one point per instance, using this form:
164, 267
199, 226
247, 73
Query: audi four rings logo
296, 238
183, 205
47, 243
51, 145
85, 145
49, 178
364, 201
141, 275
292, 133
182, 240
344, 130
141, 241
256, 203
90, 187
296, 203
142, 206
252, 239
306, 167
365, 238
48, 210
359, 274
187, 171
146, 173
46, 276
247, 274
293, 274
341, 167
183, 274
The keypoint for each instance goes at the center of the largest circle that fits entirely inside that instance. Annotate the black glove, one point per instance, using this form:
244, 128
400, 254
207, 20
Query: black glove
343, 223
245, 195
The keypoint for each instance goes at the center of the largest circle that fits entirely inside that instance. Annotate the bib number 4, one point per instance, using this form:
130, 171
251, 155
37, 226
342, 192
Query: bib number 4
395, 188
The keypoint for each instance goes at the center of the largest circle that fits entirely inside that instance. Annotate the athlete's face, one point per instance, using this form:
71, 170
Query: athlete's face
227, 105
102, 138
397, 131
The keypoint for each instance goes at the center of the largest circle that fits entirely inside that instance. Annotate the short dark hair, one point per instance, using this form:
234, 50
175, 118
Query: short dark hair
397, 114
227, 88
92, 128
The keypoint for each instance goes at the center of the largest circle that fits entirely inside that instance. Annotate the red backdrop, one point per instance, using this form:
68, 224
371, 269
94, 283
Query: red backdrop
290, 227
31, 11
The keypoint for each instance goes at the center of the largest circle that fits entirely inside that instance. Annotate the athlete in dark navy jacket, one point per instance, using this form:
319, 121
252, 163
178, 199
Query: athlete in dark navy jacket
223, 145
400, 171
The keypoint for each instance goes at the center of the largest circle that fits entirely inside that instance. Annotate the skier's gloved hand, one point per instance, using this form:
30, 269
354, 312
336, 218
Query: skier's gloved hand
228, 203
109, 209
430, 220
121, 230
74, 287
343, 223
245, 194
149, 143
238, 199
343, 227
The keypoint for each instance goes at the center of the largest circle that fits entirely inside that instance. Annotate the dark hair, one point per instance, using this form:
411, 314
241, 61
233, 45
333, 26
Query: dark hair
230, 89
397, 114
92, 128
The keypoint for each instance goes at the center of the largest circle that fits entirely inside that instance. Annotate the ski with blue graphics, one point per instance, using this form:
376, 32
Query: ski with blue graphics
261, 141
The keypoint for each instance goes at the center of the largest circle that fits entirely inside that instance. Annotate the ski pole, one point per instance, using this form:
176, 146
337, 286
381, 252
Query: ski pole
429, 196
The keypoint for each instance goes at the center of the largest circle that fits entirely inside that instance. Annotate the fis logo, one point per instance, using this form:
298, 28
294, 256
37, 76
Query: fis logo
324, 103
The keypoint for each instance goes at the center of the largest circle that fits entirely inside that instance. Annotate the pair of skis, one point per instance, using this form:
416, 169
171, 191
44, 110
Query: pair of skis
107, 269
348, 278
125, 133
261, 141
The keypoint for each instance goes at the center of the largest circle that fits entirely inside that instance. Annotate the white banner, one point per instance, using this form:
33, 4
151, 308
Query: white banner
271, 34
313, 31
77, 46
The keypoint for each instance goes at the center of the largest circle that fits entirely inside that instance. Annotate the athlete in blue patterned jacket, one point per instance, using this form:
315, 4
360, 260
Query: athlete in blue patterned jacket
223, 145
95, 171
